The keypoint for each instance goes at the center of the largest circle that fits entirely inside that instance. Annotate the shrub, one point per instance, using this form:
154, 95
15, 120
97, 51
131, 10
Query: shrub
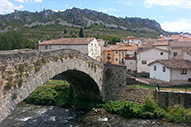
144, 75
121, 108
149, 104
150, 109
82, 104
176, 114
44, 95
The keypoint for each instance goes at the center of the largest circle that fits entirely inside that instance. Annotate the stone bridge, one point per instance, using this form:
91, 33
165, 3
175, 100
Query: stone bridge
22, 72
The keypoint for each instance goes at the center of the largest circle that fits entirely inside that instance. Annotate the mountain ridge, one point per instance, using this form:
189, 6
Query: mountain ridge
76, 17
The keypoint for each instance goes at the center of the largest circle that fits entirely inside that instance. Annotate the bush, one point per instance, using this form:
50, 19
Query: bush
44, 95
149, 104
58, 95
176, 114
121, 108
150, 109
144, 75
82, 104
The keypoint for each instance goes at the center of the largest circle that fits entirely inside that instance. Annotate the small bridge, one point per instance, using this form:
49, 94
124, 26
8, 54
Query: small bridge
22, 72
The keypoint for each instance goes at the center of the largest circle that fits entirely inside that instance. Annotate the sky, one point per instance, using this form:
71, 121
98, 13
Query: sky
173, 15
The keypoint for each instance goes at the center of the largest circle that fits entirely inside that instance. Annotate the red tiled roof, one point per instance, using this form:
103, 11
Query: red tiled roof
180, 44
147, 45
68, 41
143, 50
126, 48
174, 63
187, 50
165, 43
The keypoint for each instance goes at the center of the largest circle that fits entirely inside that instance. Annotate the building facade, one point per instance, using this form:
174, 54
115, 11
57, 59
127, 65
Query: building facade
145, 57
171, 70
88, 46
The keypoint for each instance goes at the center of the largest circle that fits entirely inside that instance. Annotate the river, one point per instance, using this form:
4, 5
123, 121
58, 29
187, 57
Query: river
27, 115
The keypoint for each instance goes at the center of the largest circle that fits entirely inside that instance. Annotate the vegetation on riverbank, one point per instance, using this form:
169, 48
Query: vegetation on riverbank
58, 95
61, 95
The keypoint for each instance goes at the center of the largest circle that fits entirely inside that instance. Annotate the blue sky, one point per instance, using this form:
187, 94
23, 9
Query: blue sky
173, 15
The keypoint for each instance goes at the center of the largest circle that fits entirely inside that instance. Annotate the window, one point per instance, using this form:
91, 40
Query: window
164, 69
116, 52
183, 72
122, 61
116, 59
175, 54
144, 62
161, 53
155, 68
46, 47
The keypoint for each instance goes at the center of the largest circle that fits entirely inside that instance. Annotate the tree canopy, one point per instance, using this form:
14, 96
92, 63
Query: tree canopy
14, 40
81, 33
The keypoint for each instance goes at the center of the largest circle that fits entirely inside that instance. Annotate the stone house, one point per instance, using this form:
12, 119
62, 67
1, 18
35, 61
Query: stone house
88, 46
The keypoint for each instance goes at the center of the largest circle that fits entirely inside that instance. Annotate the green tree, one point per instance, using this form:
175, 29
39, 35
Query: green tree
81, 34
14, 40
65, 31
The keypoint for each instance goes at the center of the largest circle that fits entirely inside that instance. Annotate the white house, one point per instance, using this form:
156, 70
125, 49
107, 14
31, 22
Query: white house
144, 57
88, 46
132, 40
171, 70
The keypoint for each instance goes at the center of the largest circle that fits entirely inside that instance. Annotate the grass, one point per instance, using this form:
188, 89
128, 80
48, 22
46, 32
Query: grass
58, 82
146, 86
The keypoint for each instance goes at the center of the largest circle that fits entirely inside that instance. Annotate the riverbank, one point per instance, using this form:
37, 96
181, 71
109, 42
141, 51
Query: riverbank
60, 95
28, 115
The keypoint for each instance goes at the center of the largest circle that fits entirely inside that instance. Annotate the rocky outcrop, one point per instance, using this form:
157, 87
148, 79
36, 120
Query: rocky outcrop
77, 17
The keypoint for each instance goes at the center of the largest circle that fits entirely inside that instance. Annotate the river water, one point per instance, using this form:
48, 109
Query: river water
27, 115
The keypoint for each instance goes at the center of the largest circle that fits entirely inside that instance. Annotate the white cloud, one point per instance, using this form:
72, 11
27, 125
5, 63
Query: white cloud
58, 10
107, 10
21, 1
176, 3
7, 7
177, 26
125, 2
38, 0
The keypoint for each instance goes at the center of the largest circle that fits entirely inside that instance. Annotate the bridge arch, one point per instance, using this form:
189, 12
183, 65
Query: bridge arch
24, 72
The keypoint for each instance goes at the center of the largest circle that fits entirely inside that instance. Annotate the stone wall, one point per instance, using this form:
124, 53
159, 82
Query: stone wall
166, 99
114, 81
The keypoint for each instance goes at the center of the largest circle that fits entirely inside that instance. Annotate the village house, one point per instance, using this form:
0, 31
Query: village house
88, 46
171, 70
146, 56
176, 48
183, 37
121, 54
132, 40
177, 68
